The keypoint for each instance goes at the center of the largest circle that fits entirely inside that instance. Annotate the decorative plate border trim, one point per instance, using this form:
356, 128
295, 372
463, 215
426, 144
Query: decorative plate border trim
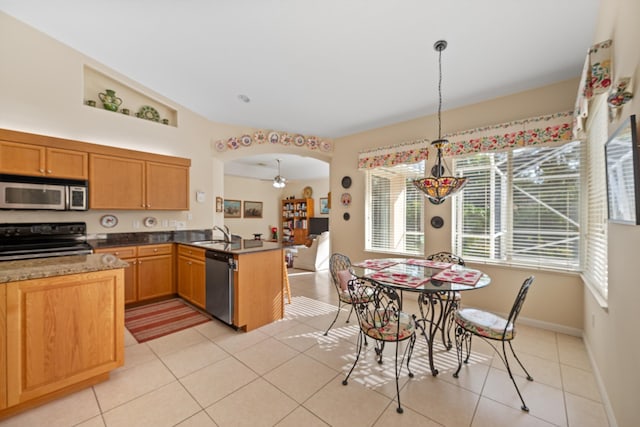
273, 137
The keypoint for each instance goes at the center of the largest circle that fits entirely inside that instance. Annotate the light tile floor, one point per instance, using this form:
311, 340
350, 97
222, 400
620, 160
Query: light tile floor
289, 374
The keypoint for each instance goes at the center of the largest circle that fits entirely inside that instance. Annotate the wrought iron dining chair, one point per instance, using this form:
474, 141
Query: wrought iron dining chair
380, 316
339, 263
450, 300
490, 327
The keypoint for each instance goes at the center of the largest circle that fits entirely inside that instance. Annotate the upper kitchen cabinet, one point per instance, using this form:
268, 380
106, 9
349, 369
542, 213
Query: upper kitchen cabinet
167, 186
116, 183
37, 160
125, 183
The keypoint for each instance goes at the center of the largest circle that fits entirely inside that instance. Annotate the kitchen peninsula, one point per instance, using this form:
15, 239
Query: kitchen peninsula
167, 263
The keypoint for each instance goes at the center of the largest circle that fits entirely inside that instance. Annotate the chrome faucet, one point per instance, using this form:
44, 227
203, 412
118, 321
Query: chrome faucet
225, 232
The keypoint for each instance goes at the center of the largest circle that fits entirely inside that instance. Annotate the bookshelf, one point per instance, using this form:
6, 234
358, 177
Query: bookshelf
295, 216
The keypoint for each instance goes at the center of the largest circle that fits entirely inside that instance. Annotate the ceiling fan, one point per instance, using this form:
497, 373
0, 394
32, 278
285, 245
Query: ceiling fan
279, 181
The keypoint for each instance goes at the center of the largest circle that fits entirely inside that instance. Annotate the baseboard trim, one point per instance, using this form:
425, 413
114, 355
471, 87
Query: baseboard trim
601, 388
555, 327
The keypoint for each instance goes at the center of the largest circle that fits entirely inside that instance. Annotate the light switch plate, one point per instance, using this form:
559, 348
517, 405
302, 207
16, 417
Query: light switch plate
200, 197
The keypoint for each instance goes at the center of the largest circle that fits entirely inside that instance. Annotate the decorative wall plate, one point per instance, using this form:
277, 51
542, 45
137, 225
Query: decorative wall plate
345, 199
273, 137
108, 221
150, 221
346, 182
307, 192
149, 113
246, 140
437, 221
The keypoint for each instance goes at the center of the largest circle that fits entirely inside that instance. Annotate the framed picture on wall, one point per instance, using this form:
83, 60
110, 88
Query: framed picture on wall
232, 208
324, 205
252, 209
218, 204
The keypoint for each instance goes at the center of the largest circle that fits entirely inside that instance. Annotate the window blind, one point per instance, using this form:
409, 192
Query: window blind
521, 206
395, 210
595, 271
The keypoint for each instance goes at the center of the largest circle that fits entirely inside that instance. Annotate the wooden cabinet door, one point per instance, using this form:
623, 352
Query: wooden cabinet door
22, 159
116, 183
3, 347
184, 277
67, 164
128, 254
155, 276
198, 286
62, 331
191, 275
167, 186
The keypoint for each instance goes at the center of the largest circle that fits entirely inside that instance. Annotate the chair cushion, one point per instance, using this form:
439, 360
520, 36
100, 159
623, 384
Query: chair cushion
344, 276
345, 296
484, 324
389, 332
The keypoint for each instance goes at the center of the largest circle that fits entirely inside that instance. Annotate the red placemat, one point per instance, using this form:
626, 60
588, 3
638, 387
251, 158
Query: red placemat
375, 264
465, 277
431, 264
398, 278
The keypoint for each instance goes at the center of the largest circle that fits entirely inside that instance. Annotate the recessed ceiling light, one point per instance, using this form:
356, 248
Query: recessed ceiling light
244, 98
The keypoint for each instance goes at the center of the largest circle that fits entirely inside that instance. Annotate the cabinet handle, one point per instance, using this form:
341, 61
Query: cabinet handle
49, 171
41, 170
189, 263
116, 253
155, 250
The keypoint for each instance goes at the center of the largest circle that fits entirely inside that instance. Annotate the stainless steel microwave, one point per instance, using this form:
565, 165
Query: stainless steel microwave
26, 192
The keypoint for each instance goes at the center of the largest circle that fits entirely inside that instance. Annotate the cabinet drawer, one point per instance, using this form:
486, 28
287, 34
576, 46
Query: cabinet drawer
120, 252
149, 250
190, 251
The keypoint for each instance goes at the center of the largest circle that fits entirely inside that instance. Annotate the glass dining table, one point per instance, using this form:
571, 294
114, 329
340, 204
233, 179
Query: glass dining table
434, 281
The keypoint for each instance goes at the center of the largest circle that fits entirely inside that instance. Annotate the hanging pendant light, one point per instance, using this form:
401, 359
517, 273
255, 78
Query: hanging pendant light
279, 181
440, 186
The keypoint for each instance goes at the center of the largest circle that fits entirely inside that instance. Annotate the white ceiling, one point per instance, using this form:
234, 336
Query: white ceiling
265, 166
327, 68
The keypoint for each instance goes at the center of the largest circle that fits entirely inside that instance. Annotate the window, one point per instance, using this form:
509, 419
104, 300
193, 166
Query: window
595, 271
394, 210
520, 207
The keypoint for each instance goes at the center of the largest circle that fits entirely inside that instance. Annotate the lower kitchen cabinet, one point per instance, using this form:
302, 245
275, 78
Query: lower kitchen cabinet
150, 271
155, 271
3, 347
258, 289
191, 275
62, 333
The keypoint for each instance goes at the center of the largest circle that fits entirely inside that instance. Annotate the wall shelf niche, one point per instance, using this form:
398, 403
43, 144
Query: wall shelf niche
133, 100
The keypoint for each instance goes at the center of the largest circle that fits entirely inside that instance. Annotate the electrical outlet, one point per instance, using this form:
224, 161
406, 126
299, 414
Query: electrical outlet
189, 216
136, 223
165, 223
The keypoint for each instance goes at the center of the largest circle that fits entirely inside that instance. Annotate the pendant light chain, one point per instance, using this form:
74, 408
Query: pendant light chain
440, 93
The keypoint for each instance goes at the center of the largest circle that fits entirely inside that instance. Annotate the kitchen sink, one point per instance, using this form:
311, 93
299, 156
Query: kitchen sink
208, 242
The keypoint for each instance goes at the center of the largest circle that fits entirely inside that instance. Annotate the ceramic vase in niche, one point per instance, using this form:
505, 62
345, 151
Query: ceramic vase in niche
109, 100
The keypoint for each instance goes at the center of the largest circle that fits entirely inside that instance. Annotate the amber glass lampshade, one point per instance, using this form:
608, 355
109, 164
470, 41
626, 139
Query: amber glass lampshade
438, 187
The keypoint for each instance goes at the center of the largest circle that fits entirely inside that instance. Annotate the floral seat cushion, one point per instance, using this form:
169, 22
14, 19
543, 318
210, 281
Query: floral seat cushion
484, 324
388, 330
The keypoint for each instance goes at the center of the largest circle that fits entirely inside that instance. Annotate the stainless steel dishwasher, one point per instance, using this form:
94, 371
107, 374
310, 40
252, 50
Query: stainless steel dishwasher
219, 285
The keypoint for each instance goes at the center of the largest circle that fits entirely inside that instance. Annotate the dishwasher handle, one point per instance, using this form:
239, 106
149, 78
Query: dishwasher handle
224, 257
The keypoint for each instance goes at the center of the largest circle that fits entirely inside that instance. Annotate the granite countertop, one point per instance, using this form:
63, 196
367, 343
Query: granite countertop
187, 237
13, 271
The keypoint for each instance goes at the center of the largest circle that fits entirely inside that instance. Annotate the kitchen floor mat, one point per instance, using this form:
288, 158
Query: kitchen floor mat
155, 320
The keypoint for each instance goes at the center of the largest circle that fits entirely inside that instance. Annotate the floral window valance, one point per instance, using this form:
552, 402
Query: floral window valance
407, 152
519, 133
596, 79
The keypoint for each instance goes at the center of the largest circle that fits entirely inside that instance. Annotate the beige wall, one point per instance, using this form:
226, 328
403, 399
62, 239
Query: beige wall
611, 334
262, 191
554, 313
41, 87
